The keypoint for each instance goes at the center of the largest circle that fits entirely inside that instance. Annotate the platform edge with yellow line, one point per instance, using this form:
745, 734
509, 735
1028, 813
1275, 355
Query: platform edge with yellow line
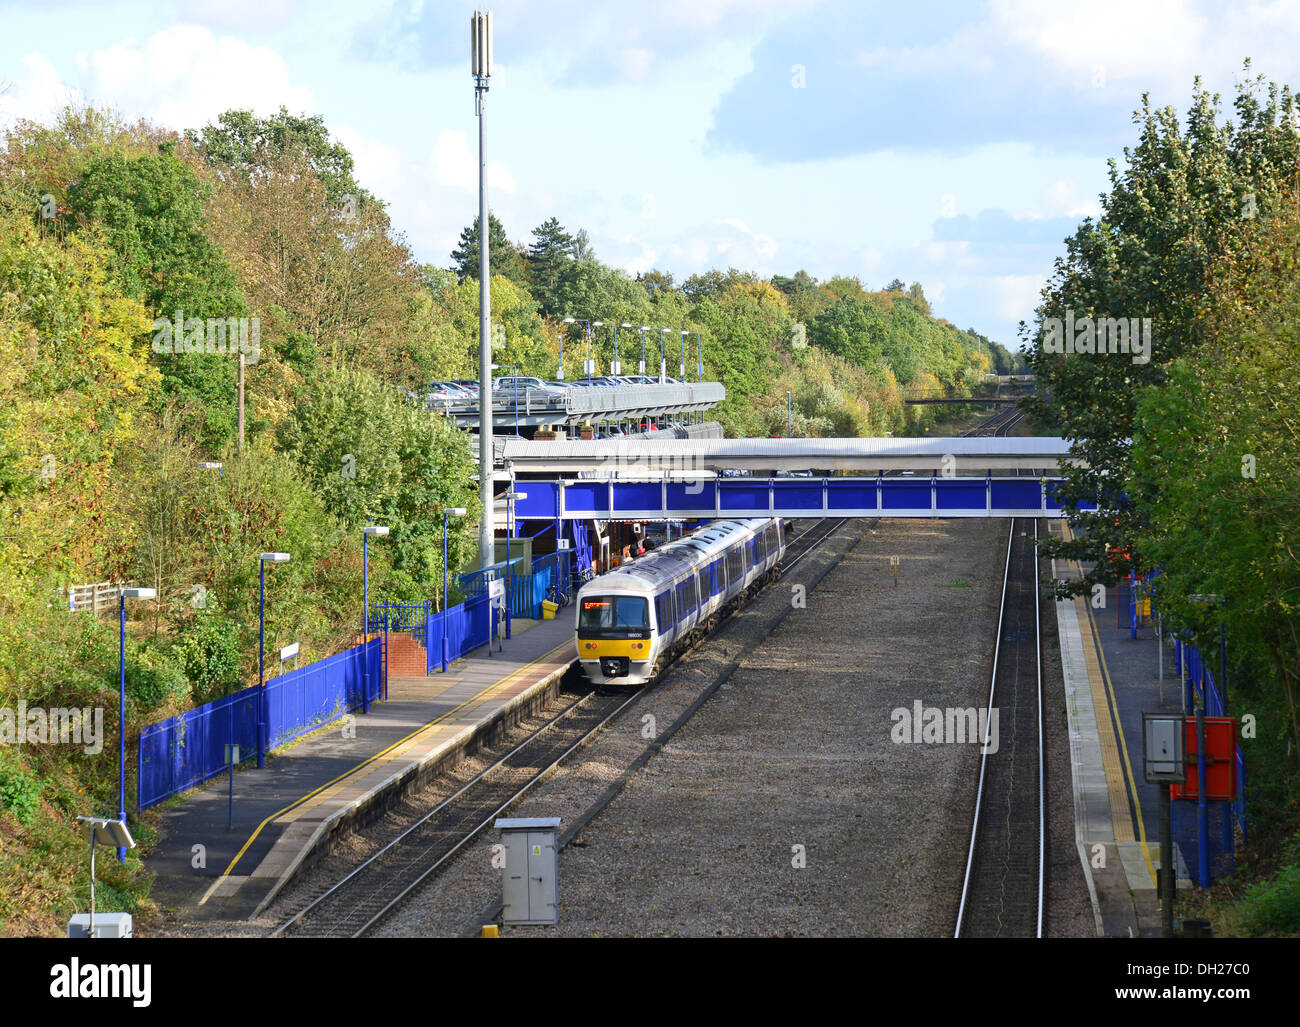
412, 770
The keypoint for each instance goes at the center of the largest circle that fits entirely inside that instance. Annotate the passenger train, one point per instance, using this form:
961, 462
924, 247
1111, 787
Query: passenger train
631, 620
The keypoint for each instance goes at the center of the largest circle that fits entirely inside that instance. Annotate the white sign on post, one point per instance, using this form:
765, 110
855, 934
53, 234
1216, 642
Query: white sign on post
562, 544
496, 589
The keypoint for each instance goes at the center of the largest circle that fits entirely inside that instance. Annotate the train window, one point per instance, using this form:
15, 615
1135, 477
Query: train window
663, 610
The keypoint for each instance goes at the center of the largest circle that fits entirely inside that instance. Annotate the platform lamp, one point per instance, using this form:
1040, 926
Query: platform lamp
591, 364
123, 596
618, 368
511, 497
377, 530
643, 328
663, 362
581, 321
455, 511
262, 739
560, 373
684, 333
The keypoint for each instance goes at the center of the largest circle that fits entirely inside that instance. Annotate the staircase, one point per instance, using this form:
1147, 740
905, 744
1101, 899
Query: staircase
406, 656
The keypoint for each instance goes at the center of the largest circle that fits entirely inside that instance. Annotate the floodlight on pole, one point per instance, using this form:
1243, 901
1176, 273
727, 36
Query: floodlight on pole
481, 68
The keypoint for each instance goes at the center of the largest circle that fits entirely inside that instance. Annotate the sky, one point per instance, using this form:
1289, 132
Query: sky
952, 143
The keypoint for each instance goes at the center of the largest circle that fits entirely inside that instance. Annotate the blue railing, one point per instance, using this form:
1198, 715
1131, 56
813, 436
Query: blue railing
468, 625
188, 749
399, 616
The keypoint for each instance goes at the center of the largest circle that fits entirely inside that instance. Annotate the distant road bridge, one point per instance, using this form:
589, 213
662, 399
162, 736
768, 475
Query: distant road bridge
576, 405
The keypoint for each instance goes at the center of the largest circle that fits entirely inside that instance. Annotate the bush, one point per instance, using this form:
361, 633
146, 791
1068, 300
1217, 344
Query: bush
1274, 905
210, 656
152, 678
20, 791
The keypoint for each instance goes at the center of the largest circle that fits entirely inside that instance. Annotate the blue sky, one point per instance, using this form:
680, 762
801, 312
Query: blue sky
954, 143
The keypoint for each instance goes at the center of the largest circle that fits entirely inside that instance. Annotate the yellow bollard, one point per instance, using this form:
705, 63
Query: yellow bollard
490, 931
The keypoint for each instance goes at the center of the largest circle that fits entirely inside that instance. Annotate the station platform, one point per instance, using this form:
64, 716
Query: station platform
1110, 680
286, 814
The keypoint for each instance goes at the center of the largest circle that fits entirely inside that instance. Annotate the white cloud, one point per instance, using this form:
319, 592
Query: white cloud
455, 165
37, 93
1062, 199
1126, 39
1016, 296
184, 76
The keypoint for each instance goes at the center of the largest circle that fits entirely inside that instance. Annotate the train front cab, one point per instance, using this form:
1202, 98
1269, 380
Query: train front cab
615, 638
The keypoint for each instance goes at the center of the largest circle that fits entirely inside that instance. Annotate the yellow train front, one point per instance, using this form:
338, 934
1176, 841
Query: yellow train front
631, 621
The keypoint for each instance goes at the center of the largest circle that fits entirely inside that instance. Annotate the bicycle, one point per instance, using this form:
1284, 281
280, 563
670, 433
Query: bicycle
557, 595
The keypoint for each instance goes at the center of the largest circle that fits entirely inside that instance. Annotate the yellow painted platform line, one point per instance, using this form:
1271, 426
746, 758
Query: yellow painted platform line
1128, 765
1103, 697
365, 763
1120, 817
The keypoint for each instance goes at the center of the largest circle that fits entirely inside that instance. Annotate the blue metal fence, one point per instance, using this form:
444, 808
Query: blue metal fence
399, 616
468, 625
188, 749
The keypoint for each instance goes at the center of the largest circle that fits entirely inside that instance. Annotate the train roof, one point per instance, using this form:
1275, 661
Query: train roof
672, 558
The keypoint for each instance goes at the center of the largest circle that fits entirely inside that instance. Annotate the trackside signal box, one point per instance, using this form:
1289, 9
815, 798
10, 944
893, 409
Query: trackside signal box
529, 885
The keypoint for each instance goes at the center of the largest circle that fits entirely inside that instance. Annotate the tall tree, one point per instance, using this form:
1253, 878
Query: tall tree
244, 142
1183, 199
551, 249
505, 259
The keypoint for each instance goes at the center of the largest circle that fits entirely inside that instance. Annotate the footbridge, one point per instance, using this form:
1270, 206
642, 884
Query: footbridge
617, 480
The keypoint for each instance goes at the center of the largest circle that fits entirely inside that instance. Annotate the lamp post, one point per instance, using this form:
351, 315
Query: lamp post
455, 511
618, 368
481, 69
684, 333
123, 596
262, 739
643, 331
591, 364
663, 363
581, 321
511, 496
699, 363
560, 373
378, 531
789, 414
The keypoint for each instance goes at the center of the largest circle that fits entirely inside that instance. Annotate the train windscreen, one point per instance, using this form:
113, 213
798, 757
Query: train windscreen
614, 617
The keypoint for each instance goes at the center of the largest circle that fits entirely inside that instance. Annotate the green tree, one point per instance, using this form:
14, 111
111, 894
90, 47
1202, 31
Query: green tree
245, 142
1181, 202
504, 258
551, 249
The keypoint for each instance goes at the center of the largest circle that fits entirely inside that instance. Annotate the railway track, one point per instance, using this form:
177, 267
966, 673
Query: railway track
803, 544
999, 425
359, 902
1003, 886
356, 904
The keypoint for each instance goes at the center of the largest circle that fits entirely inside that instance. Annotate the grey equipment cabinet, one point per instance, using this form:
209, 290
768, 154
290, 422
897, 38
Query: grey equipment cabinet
529, 884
